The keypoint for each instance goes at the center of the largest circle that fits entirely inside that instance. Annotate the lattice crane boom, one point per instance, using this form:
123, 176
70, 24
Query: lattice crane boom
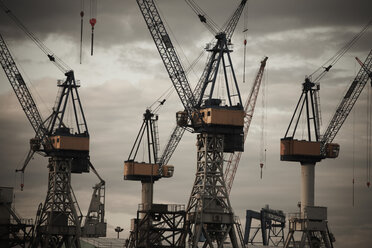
219, 127
172, 144
348, 101
47, 127
207, 75
365, 68
231, 24
19, 86
167, 53
68, 88
249, 107
66, 145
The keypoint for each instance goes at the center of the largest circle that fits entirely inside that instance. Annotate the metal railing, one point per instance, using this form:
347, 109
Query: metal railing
170, 207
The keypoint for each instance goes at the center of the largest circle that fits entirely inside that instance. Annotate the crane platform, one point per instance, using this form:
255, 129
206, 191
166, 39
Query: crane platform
141, 171
78, 143
306, 151
221, 116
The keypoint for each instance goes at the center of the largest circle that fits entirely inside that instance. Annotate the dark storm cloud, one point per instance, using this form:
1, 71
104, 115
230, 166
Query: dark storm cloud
126, 75
121, 21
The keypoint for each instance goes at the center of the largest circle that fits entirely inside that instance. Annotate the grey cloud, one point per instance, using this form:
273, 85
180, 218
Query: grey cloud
114, 101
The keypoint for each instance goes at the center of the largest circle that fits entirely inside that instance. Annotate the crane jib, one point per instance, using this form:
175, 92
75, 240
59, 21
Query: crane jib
19, 86
348, 101
167, 53
210, 69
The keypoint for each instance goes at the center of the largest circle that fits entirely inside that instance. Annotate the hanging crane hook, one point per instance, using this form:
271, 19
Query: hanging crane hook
92, 22
81, 29
22, 180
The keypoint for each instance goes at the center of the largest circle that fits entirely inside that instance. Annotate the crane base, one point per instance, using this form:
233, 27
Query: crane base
310, 229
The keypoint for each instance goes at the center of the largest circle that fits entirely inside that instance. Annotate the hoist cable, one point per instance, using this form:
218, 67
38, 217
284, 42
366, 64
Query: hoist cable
161, 100
335, 58
245, 31
210, 24
81, 29
52, 57
262, 140
167, 93
191, 66
92, 21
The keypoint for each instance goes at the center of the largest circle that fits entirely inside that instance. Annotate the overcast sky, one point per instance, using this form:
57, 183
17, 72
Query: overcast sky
126, 75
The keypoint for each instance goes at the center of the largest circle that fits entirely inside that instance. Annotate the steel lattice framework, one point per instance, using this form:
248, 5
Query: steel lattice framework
19, 86
171, 146
211, 65
58, 222
250, 104
58, 217
163, 226
210, 70
348, 101
209, 209
201, 211
167, 53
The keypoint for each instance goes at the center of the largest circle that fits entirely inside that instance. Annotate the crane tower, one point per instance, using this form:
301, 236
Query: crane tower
156, 225
218, 122
312, 220
57, 220
65, 144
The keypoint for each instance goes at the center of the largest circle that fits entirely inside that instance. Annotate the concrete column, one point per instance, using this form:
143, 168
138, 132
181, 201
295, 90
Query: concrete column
147, 194
307, 185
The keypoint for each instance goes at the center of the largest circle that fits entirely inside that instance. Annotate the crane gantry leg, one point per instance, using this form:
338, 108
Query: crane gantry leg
58, 223
210, 218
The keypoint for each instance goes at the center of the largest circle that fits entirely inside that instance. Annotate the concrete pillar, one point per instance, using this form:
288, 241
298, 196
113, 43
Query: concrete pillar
147, 194
307, 185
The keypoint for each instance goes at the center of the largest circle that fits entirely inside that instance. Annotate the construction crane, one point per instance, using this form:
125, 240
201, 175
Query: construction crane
219, 127
94, 224
208, 74
151, 171
314, 149
272, 224
58, 220
66, 145
234, 158
148, 230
